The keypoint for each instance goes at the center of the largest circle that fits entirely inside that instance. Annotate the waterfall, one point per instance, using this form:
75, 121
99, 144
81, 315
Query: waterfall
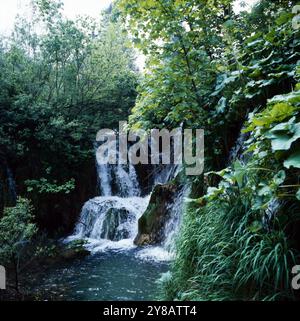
110, 221
271, 211
172, 226
126, 180
119, 180
8, 189
104, 179
236, 152
12, 190
165, 173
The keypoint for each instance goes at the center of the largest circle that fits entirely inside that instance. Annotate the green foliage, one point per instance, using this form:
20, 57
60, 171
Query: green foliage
61, 82
43, 186
16, 228
271, 125
209, 67
293, 160
205, 67
235, 244
225, 254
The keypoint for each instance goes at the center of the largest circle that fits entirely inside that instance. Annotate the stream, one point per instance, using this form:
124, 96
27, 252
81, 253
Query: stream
107, 276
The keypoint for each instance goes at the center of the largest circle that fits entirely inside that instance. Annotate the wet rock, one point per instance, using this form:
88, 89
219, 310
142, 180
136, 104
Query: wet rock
67, 252
72, 254
74, 250
151, 224
114, 227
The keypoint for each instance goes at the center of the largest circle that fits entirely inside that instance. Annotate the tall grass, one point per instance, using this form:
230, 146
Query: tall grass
219, 257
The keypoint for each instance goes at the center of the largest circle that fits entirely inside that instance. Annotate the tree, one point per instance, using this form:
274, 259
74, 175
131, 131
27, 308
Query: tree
16, 230
61, 82
210, 68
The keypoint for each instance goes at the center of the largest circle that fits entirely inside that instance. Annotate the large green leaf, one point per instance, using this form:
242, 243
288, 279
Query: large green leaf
280, 177
281, 111
282, 139
293, 160
239, 172
284, 18
283, 126
292, 98
278, 112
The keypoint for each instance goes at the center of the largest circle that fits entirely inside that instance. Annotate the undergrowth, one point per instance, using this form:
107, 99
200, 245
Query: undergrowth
220, 257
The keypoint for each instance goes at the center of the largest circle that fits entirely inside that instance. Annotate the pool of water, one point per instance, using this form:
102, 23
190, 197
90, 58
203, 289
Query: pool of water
110, 275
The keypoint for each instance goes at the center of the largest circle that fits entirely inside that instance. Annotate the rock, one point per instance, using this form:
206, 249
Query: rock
112, 228
73, 250
61, 252
151, 224
142, 239
72, 254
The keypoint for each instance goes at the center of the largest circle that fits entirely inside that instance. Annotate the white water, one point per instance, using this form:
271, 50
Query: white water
110, 222
12, 191
165, 173
102, 225
104, 176
126, 181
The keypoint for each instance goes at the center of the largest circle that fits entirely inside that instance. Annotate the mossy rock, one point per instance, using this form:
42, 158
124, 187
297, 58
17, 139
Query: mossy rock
66, 252
74, 253
151, 224
111, 226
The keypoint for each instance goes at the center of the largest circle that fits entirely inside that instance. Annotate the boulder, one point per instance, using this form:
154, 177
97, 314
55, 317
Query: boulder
151, 224
73, 254
113, 225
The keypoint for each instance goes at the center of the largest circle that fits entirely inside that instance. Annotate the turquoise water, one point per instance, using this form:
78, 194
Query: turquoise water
112, 275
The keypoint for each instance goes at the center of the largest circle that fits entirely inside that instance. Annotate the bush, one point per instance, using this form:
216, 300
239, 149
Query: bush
16, 230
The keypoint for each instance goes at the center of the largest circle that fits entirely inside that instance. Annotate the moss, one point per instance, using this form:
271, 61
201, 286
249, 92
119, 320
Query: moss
150, 225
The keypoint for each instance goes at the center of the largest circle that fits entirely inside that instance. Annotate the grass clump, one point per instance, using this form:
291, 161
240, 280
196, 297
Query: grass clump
220, 256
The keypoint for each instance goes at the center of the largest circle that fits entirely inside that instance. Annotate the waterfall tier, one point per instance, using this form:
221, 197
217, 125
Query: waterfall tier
110, 221
110, 218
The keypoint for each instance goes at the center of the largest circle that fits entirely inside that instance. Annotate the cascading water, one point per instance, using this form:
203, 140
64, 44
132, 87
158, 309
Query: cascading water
11, 185
126, 181
104, 177
165, 173
173, 224
110, 221
119, 270
236, 152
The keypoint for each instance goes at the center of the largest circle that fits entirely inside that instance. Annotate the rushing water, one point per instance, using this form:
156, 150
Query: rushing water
110, 221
